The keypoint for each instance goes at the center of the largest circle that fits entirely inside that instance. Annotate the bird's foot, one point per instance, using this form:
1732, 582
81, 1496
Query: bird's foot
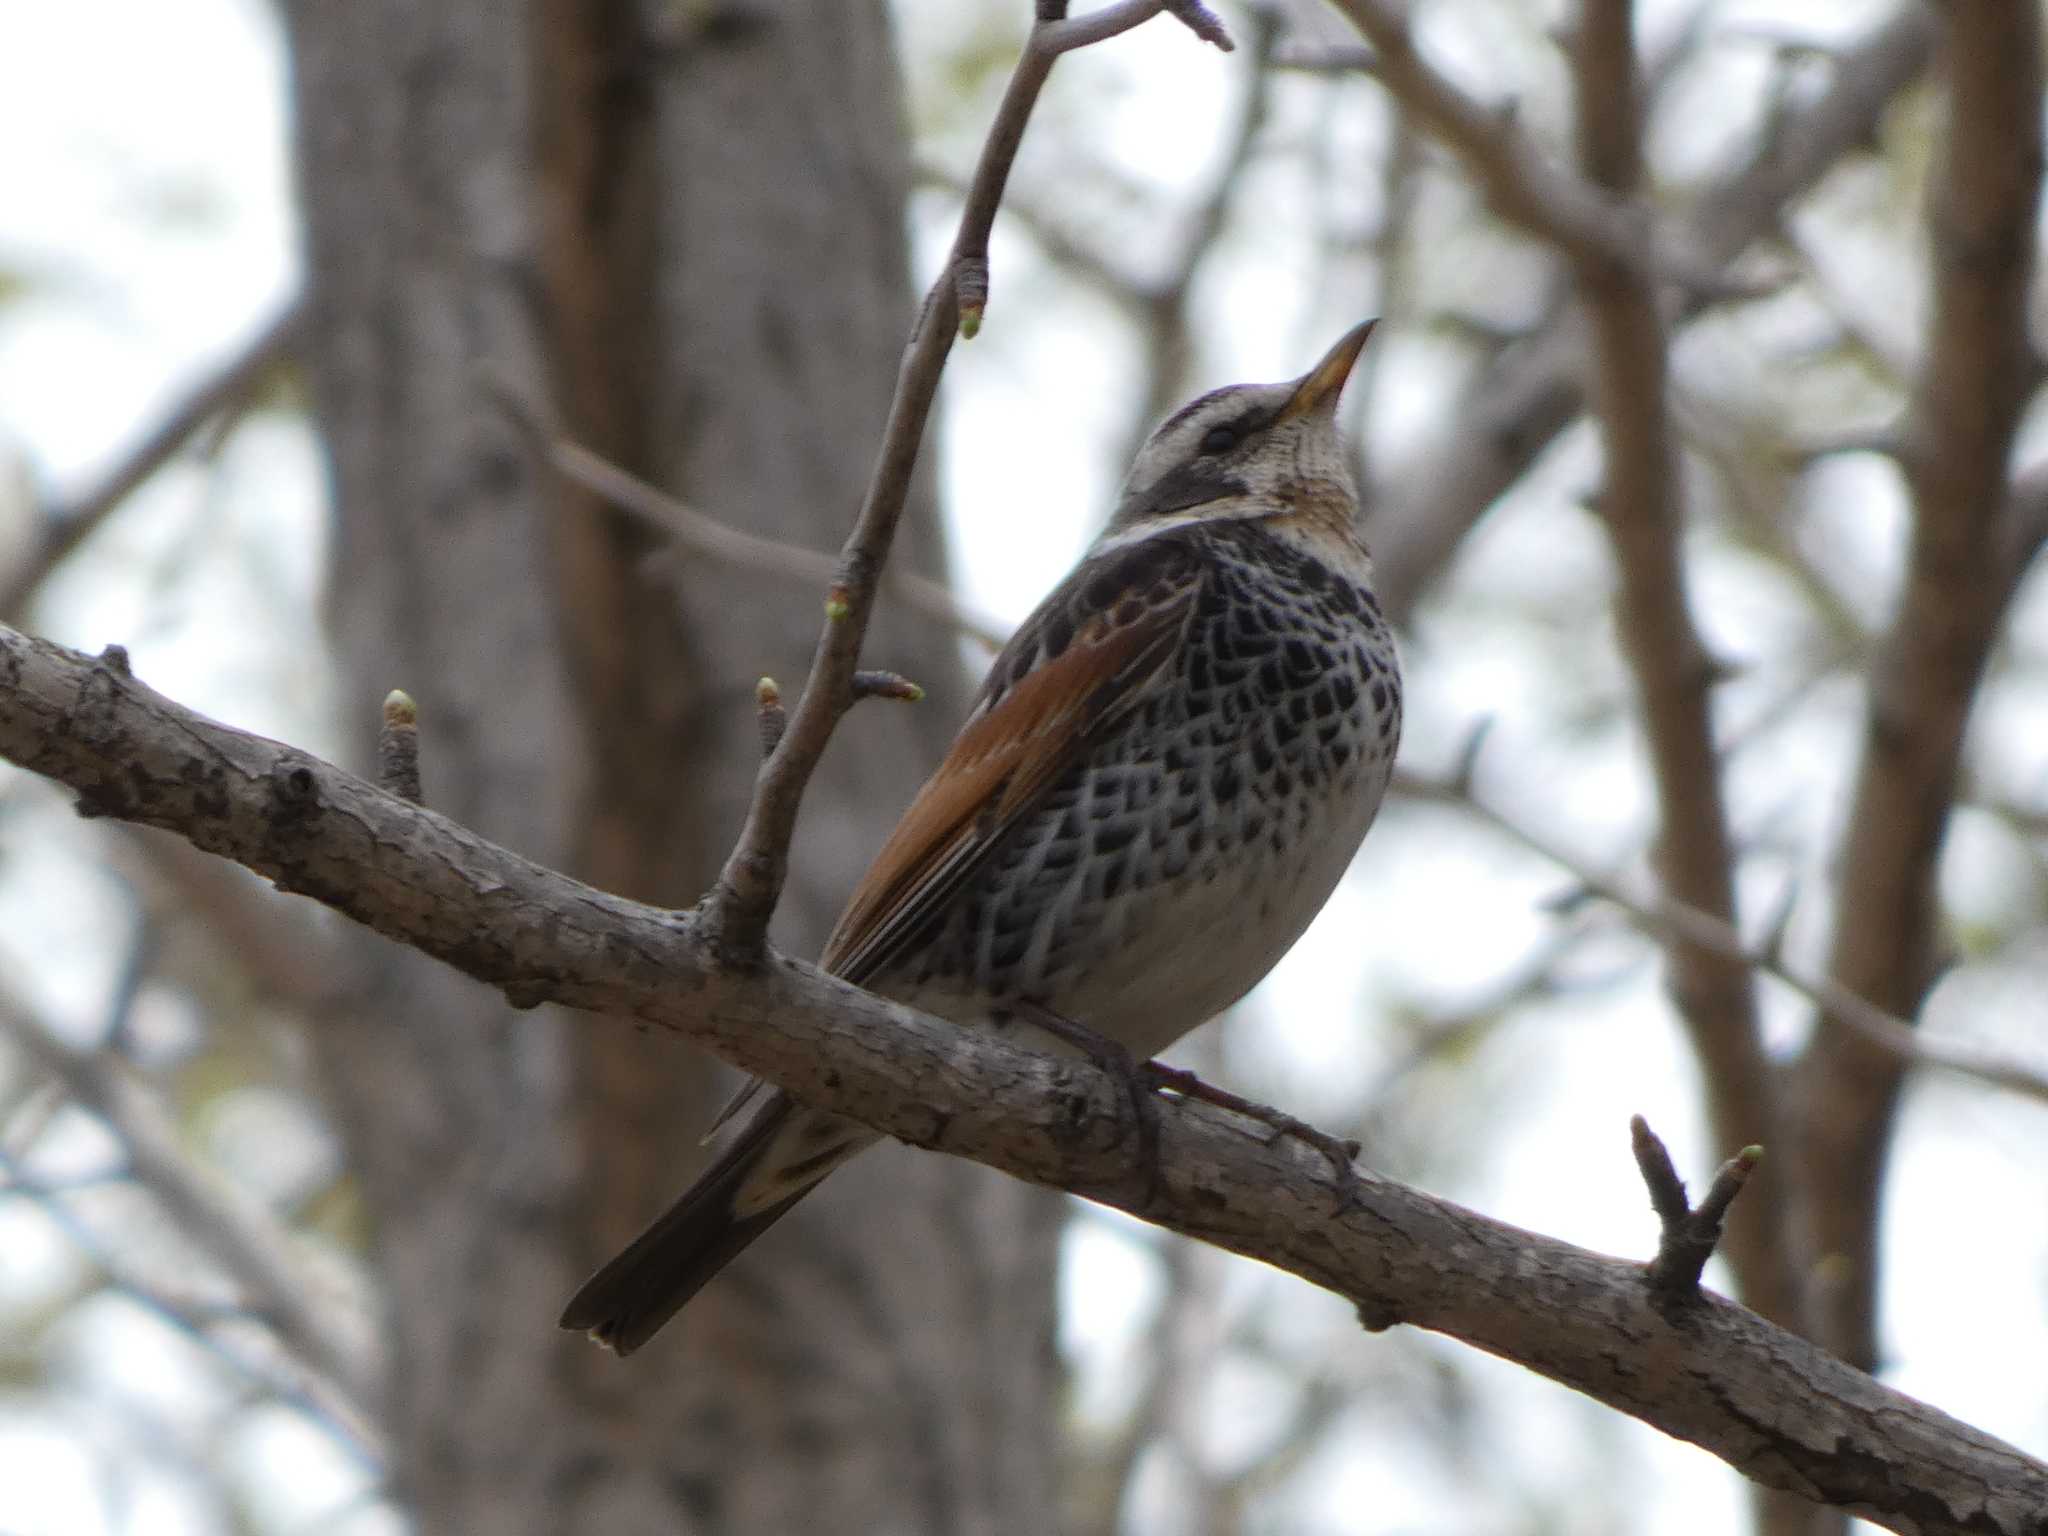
1342, 1152
1114, 1057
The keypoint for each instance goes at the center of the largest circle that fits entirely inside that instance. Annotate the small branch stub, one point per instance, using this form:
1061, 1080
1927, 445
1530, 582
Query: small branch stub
1690, 1233
875, 684
1203, 22
774, 718
398, 747
970, 293
774, 715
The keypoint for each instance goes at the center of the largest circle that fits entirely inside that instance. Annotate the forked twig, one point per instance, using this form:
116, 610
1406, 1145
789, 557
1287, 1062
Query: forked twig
1690, 1232
398, 747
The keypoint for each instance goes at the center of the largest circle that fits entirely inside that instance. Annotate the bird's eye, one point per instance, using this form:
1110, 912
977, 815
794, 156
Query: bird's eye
1219, 440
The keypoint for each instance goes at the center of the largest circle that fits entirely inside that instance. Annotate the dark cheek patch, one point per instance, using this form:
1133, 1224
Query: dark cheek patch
1187, 485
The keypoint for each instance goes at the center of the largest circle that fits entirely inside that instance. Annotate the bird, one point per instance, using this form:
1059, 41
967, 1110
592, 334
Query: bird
1165, 774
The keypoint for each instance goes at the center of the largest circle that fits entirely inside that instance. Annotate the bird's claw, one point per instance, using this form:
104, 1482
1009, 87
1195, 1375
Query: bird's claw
1133, 1076
1342, 1152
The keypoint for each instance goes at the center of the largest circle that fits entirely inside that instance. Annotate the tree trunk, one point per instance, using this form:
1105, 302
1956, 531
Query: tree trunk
692, 246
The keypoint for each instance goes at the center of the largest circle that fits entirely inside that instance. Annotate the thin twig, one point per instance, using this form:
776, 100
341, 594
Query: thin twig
289, 1378
1665, 918
67, 525
1163, 303
1752, 474
1065, 247
749, 885
877, 684
247, 1243
1528, 393
704, 536
1519, 181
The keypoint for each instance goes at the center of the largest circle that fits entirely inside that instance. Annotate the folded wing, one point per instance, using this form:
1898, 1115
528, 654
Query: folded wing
1080, 664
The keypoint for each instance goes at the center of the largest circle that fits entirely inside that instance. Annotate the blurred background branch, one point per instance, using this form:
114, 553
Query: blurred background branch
1978, 368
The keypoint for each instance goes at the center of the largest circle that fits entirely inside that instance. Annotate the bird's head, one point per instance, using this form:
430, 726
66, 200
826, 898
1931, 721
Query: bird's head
1254, 451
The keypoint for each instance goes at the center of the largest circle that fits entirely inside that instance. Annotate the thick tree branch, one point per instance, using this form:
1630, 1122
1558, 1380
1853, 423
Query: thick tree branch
1776, 1408
1979, 368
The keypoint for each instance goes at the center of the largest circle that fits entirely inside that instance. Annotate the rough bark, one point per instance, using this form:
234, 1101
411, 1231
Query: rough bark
691, 242
1776, 1407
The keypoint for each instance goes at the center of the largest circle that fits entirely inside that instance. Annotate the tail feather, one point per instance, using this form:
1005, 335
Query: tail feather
781, 1156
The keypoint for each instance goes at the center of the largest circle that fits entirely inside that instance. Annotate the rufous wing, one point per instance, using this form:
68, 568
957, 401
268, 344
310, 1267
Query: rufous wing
1078, 665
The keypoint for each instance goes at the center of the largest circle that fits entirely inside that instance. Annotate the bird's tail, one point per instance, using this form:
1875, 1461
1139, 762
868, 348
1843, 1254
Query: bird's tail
781, 1156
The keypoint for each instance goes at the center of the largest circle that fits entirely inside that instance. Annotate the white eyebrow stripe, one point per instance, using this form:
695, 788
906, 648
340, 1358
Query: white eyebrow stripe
1207, 512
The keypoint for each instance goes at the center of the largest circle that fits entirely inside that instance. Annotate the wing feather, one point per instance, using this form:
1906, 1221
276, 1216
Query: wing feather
1079, 664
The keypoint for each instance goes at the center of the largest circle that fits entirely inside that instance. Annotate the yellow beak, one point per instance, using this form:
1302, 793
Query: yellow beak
1322, 384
